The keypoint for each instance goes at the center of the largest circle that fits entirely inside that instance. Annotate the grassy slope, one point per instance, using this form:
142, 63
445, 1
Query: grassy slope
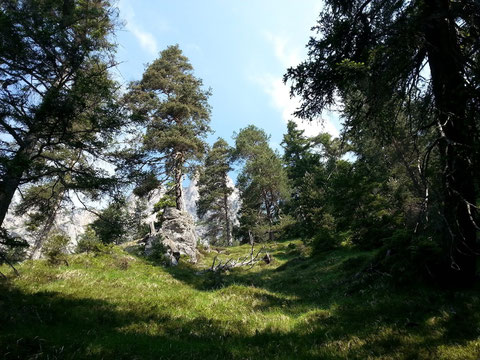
118, 306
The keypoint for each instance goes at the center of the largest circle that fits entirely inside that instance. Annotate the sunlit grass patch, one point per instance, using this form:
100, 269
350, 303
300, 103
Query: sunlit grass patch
296, 307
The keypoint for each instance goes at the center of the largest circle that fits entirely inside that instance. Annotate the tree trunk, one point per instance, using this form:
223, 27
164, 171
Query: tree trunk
179, 159
43, 235
456, 147
12, 179
228, 230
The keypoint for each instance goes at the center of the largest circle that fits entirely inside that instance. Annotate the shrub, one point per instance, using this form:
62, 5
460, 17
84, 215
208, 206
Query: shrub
55, 249
324, 240
88, 242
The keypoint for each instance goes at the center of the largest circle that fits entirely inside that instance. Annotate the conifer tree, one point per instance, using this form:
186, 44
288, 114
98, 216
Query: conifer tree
170, 103
213, 207
302, 165
372, 54
56, 94
263, 183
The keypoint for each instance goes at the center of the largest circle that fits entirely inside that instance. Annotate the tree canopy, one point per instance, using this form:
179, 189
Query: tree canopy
56, 94
171, 104
417, 60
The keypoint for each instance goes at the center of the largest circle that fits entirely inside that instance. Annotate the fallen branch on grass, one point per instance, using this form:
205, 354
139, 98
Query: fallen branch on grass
249, 260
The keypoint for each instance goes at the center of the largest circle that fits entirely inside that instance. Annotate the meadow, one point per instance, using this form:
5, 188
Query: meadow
334, 305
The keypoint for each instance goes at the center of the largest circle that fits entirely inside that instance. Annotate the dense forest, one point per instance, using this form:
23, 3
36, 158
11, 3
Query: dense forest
388, 206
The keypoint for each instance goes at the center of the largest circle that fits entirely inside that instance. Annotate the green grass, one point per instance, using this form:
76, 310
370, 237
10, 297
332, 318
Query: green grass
121, 306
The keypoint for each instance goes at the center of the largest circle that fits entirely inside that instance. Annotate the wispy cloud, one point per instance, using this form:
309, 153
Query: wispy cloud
146, 39
287, 56
279, 93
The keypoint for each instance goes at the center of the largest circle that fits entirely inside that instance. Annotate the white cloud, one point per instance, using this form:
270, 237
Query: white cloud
280, 94
146, 39
281, 100
287, 56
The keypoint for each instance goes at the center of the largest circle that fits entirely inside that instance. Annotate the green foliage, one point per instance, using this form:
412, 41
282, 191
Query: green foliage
113, 223
167, 200
157, 252
88, 241
212, 206
146, 184
57, 97
371, 55
263, 184
12, 249
170, 103
55, 248
409, 257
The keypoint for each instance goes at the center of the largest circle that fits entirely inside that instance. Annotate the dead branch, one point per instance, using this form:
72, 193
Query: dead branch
5, 259
249, 260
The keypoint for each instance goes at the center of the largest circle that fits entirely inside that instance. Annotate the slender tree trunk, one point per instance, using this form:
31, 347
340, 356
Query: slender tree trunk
8, 186
456, 147
179, 159
12, 178
47, 228
227, 217
269, 215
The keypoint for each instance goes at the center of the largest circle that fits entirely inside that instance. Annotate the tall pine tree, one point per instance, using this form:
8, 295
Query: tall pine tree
171, 104
56, 95
213, 206
263, 183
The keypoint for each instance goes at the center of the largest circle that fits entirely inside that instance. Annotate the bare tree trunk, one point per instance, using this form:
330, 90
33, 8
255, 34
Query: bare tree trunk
228, 231
179, 159
47, 228
456, 145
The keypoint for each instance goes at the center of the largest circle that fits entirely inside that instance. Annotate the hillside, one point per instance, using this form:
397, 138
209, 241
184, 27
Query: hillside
118, 305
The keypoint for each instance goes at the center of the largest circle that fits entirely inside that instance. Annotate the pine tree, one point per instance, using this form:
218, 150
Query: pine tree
263, 183
302, 166
170, 102
56, 95
213, 207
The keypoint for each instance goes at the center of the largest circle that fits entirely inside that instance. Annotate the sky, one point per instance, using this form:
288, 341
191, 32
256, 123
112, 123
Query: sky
239, 48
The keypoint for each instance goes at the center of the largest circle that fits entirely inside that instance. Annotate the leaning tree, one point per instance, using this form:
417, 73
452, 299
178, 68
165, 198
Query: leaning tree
56, 95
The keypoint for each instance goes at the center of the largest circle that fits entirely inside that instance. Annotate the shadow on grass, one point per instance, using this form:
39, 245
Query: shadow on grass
50, 325
330, 320
357, 316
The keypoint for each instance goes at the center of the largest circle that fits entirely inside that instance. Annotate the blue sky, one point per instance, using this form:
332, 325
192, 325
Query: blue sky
240, 48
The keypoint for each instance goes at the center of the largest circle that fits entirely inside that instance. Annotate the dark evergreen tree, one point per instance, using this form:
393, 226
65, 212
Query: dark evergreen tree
302, 166
213, 207
372, 55
113, 223
170, 102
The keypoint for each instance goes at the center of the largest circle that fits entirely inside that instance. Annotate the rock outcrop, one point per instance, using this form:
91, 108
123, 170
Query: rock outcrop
177, 236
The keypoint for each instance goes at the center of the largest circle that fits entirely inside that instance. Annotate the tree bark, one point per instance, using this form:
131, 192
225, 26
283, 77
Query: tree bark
179, 159
227, 218
13, 177
456, 145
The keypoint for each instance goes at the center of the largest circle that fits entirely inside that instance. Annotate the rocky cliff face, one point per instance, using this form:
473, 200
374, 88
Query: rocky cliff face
72, 220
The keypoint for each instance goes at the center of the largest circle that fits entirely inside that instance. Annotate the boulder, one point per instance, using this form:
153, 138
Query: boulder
177, 235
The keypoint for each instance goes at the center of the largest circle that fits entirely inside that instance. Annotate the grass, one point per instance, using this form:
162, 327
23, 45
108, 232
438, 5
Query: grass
122, 306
